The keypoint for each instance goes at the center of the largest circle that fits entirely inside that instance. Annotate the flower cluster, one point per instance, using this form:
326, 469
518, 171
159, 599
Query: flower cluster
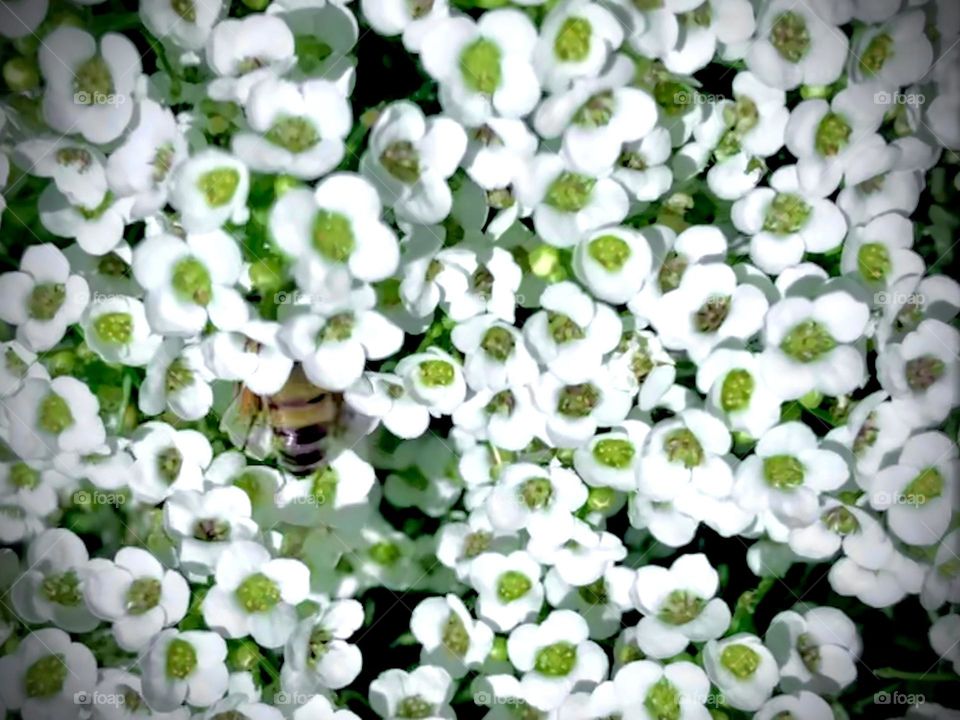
548, 339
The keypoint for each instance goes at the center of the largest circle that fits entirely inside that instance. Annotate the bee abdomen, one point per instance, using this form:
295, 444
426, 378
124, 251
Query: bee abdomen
301, 450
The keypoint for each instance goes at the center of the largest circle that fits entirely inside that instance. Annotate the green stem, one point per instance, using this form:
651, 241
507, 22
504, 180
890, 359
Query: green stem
894, 674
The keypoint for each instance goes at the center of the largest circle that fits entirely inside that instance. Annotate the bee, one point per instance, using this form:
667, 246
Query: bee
292, 424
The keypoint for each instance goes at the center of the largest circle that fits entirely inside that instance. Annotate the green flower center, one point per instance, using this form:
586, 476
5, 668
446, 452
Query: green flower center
878, 51
736, 391
647, 5
436, 373
950, 569
578, 401
46, 300
562, 329
556, 660
790, 36
402, 160
480, 66
632, 160
741, 660
809, 652
674, 98
414, 707
595, 593
295, 134
186, 9
742, 116
143, 595
169, 462
513, 585
338, 328
132, 700
219, 185
787, 214
808, 341
600, 499
384, 553
597, 111
99, 210
258, 593
311, 53
476, 543
179, 375
181, 659
14, 363
54, 416
783, 472
501, 404
680, 607
45, 677
92, 81
114, 328
570, 192
840, 520
24, 477
712, 314
78, 157
498, 343
682, 446
163, 162
873, 261
211, 530
833, 134
324, 487
333, 236
614, 452
419, 8
663, 700
63, 589
191, 281
536, 493
610, 251
671, 272
454, 636
112, 265
923, 371
317, 645
926, 486
572, 43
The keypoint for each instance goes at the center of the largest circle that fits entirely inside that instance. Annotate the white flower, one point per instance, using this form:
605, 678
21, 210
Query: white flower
108, 274
97, 230
28, 491
918, 492
650, 690
298, 129
167, 460
177, 379
942, 583
732, 383
252, 356
922, 373
525, 497
186, 25
877, 587
602, 603
613, 263
879, 252
554, 657
662, 520
422, 474
565, 203
49, 417
711, 23
324, 35
497, 152
804, 705
435, 379
450, 637
21, 18
743, 669
581, 560
508, 418
43, 676
612, 460
383, 396
203, 524
809, 345
414, 21
113, 683
894, 54
941, 636
679, 606
42, 299
190, 281
18, 365
496, 354
687, 449
816, 650
89, 83
334, 232
641, 365
793, 47
574, 411
318, 655
851, 528
484, 68
508, 588
256, 595
76, 168
244, 51
577, 38
425, 692
184, 667
475, 279
117, 330
410, 158
319, 708
137, 595
641, 167
210, 189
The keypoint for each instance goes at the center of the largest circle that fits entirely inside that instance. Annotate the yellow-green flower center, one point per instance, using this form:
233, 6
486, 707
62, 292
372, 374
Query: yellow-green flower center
878, 51
536, 493
570, 192
480, 66
258, 593
808, 341
787, 214
873, 261
562, 328
682, 446
742, 116
601, 499
597, 111
736, 391
498, 343
92, 81
680, 607
338, 328
809, 652
614, 452
385, 553
790, 36
185, 9
179, 375
333, 236
324, 486
15, 364
454, 635
211, 530
501, 404
45, 677
62, 589
45, 300
114, 328
24, 477
169, 462
741, 660
840, 520
922, 372
414, 707
436, 373
610, 251
191, 281
783, 472
54, 416
181, 659
578, 401
402, 160
926, 486
143, 595
663, 701
112, 265
833, 134
295, 134
219, 185
512, 585
572, 43
712, 314
556, 660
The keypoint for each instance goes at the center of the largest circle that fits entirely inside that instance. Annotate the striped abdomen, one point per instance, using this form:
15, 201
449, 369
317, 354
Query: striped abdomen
302, 415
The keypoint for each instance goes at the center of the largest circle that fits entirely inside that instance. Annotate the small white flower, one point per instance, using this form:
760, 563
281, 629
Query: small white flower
383, 396
743, 669
423, 474
425, 692
496, 354
256, 595
554, 657
178, 380
525, 497
49, 417
117, 330
28, 492
91, 93
167, 460
641, 167
21, 18
497, 152
680, 688
184, 667
942, 583
679, 606
613, 263
18, 364
804, 704
317, 655
877, 587
185, 23
508, 418
252, 356
435, 379
77, 169
894, 54
731, 381
450, 637
584, 558
602, 603
42, 299
210, 189
942, 634
508, 588
244, 51
613, 459
573, 412
816, 650
97, 230
319, 708
414, 21
851, 528
576, 40
475, 279
641, 365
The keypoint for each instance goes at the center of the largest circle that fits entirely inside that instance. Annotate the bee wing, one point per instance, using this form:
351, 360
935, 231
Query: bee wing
247, 423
